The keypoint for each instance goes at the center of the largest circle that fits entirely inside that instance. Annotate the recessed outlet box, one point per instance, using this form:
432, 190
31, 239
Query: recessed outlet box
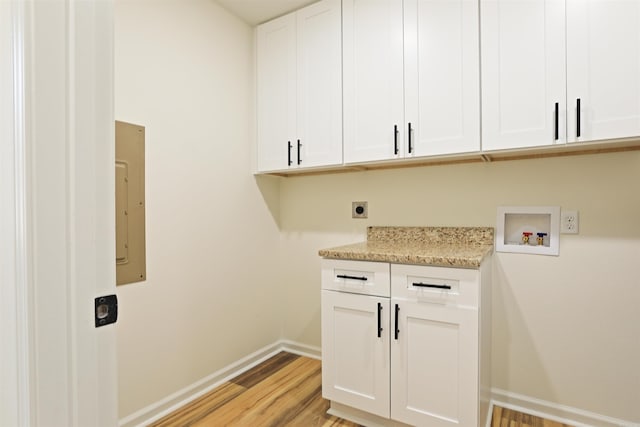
359, 210
528, 230
569, 223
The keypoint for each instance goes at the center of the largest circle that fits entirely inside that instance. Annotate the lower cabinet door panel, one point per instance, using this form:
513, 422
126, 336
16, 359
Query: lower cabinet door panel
355, 360
434, 364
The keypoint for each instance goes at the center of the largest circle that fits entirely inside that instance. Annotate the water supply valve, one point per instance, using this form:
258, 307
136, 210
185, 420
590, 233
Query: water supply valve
540, 238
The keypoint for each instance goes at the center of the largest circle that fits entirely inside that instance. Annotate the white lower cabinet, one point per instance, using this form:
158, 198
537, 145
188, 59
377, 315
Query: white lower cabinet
433, 365
358, 378
418, 354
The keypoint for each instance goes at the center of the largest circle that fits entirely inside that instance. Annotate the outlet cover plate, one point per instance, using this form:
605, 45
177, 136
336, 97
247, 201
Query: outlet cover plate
569, 222
359, 210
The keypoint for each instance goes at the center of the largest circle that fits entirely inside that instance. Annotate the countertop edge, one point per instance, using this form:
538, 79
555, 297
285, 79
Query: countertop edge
473, 262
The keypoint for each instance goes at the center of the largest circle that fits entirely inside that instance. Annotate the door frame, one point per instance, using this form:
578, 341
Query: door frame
57, 212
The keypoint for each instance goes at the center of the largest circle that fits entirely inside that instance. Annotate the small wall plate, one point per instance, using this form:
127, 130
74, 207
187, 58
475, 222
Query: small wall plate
359, 210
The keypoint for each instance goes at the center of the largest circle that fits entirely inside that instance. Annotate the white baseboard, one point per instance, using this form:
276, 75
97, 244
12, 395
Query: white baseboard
155, 411
301, 349
553, 411
506, 399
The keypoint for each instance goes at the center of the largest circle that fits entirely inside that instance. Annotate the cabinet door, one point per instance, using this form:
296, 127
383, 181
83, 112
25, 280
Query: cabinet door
442, 77
319, 94
603, 69
523, 73
373, 80
276, 91
355, 355
434, 363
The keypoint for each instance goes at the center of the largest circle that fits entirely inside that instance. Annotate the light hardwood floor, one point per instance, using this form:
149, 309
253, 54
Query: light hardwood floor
286, 390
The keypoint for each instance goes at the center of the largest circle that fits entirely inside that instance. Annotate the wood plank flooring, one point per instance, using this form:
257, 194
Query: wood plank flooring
509, 418
285, 390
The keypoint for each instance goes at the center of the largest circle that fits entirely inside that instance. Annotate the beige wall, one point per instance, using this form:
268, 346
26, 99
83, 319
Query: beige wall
566, 328
184, 70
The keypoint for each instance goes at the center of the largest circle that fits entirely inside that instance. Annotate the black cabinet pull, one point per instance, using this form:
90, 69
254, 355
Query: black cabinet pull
344, 276
397, 331
428, 285
409, 137
555, 119
289, 153
395, 139
578, 118
299, 159
379, 320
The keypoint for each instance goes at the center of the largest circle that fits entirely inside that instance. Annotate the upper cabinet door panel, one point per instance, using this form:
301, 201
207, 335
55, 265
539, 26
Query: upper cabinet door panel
523, 73
320, 83
603, 68
373, 80
276, 91
442, 93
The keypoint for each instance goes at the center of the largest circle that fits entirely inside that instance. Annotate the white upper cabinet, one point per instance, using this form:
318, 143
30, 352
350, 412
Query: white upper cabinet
299, 89
276, 91
523, 73
442, 77
411, 78
559, 71
603, 69
373, 80
319, 84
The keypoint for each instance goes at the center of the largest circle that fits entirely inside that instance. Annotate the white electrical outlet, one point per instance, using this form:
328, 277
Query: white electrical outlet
569, 223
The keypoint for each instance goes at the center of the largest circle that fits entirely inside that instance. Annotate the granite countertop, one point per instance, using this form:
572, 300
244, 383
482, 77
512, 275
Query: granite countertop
460, 247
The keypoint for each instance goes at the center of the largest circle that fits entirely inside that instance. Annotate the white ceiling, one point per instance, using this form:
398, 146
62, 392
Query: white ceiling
258, 11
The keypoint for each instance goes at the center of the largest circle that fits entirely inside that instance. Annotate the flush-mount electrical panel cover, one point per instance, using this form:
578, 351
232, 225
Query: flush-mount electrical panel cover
130, 204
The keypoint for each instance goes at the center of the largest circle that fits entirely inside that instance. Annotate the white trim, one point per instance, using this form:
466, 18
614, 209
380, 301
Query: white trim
300, 349
182, 397
16, 290
554, 411
23, 223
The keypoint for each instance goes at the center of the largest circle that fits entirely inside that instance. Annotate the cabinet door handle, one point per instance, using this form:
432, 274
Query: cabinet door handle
428, 285
409, 130
395, 139
345, 276
578, 118
289, 153
397, 331
299, 159
379, 320
555, 120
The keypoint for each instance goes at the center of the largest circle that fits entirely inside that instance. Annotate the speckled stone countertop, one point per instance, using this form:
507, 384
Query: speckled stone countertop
460, 247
